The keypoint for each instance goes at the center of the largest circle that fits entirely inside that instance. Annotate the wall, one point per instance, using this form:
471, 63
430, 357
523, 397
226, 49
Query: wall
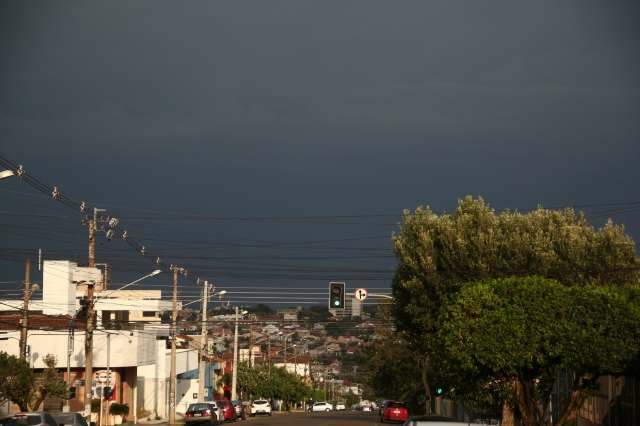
125, 350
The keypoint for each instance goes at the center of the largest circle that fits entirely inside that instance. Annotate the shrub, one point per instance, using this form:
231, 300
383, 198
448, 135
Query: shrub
119, 409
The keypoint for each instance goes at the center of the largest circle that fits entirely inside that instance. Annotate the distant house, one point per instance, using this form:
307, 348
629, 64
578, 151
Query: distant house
289, 314
270, 329
333, 348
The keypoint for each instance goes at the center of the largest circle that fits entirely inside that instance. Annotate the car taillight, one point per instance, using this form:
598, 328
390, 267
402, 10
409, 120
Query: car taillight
207, 412
189, 414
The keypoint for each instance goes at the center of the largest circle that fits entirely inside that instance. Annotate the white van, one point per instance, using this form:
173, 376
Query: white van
437, 421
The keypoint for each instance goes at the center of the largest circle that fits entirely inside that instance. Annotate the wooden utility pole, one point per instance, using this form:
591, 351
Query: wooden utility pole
174, 321
250, 345
91, 258
88, 351
269, 354
24, 326
234, 375
202, 370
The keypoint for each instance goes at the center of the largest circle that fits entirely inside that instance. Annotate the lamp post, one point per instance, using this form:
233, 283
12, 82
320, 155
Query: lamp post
88, 345
203, 343
234, 378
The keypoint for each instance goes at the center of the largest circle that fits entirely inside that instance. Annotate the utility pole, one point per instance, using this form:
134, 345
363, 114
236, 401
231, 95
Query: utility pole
70, 341
250, 345
88, 351
203, 344
174, 320
234, 378
25, 308
285, 354
269, 354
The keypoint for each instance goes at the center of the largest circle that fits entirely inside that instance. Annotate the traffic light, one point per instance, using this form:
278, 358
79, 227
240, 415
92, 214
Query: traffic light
439, 391
336, 295
107, 392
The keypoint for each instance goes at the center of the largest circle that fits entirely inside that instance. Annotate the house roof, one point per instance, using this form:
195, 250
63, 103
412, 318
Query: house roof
11, 321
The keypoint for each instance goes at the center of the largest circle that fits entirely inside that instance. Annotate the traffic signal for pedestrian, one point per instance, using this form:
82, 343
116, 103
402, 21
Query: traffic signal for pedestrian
336, 295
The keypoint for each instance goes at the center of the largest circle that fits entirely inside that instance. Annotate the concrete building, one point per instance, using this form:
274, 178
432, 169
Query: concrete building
131, 352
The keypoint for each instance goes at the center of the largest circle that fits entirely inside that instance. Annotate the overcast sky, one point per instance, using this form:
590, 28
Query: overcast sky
296, 109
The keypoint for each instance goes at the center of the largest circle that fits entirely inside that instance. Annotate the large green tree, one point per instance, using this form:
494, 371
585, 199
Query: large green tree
438, 254
515, 334
22, 386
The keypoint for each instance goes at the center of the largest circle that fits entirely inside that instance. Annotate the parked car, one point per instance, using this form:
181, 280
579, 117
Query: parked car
260, 406
40, 418
8, 421
321, 406
237, 405
394, 411
340, 407
436, 421
202, 413
70, 419
228, 410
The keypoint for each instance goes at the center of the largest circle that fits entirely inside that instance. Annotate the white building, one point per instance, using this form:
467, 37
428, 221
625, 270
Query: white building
129, 339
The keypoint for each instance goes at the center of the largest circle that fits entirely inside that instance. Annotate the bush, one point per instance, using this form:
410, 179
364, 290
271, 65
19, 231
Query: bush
119, 409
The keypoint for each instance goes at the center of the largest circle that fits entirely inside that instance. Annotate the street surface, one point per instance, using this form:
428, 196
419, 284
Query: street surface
334, 418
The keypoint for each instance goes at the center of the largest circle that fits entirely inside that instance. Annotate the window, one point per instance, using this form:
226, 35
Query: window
149, 314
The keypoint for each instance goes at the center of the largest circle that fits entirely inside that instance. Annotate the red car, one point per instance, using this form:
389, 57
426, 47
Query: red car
228, 410
394, 411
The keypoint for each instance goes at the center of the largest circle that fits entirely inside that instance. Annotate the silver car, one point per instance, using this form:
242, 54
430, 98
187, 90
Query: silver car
40, 418
69, 419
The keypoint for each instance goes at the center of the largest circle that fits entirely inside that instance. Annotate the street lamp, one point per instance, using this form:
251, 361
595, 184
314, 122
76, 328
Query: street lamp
383, 296
202, 298
6, 174
156, 272
234, 378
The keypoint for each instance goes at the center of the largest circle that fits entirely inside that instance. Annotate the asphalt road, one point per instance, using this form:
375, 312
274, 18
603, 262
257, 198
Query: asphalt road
335, 418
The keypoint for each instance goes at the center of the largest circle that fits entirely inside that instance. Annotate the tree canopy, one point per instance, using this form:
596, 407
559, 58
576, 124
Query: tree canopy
258, 382
437, 254
514, 334
22, 386
440, 255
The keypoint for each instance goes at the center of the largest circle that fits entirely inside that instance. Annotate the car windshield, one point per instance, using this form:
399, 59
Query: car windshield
259, 401
396, 405
64, 418
33, 419
198, 407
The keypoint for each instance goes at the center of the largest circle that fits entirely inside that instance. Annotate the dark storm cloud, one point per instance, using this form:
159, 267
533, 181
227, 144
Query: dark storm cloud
325, 107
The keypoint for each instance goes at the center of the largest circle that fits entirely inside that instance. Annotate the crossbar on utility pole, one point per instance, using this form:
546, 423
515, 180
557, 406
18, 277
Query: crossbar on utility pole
24, 326
202, 371
92, 226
